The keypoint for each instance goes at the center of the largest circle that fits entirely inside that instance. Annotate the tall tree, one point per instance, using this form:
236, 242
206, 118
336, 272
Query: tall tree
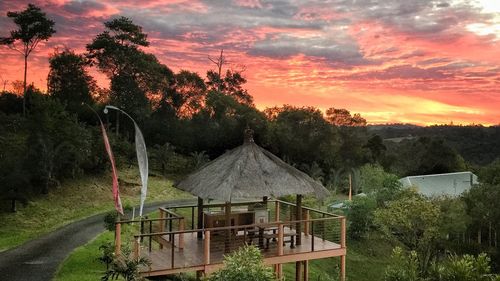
231, 84
342, 117
33, 27
69, 81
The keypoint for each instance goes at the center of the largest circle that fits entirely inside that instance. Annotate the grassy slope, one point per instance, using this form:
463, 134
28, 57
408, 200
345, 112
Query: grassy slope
77, 199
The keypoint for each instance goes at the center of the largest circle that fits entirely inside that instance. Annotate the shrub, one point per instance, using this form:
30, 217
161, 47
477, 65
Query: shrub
244, 265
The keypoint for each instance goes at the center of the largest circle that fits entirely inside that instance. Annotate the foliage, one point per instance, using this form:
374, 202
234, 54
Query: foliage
69, 81
342, 117
413, 221
34, 27
244, 265
404, 267
463, 268
58, 145
360, 215
123, 265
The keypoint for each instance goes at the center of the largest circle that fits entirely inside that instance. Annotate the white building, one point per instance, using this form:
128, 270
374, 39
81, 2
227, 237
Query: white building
451, 184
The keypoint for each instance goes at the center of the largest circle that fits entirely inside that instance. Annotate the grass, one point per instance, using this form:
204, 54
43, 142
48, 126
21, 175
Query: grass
366, 261
82, 264
77, 199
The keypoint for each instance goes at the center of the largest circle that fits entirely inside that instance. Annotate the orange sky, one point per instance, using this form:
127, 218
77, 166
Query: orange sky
422, 62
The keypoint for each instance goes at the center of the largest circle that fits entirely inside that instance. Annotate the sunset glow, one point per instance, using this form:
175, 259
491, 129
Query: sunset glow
423, 62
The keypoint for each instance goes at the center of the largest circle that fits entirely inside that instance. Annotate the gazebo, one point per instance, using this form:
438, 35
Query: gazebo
195, 236
249, 171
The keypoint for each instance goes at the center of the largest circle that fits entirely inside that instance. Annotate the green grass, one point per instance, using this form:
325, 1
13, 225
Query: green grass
77, 199
366, 261
82, 264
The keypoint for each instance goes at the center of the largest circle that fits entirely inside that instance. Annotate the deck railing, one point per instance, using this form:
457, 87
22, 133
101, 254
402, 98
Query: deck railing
163, 239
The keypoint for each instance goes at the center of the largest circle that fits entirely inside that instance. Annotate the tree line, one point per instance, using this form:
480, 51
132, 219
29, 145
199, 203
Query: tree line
186, 119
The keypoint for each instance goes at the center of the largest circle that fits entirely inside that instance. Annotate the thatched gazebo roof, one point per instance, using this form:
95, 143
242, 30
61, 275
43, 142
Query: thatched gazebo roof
249, 171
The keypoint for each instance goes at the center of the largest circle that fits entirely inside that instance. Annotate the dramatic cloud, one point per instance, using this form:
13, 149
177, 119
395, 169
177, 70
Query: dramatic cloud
420, 61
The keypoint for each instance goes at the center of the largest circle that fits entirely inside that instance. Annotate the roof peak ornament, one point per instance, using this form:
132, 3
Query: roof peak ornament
248, 135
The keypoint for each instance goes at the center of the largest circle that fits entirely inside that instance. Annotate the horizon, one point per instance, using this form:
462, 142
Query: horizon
426, 63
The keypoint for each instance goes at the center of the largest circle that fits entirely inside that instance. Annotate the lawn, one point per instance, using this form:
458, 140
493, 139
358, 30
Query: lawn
77, 199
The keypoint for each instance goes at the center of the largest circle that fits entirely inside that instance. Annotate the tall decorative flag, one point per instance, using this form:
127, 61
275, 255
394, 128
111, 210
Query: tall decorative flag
142, 156
116, 190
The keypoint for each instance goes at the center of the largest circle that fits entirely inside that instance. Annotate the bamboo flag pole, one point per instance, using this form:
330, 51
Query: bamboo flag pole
142, 156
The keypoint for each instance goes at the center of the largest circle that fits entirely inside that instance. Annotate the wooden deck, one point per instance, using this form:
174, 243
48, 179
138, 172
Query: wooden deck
192, 257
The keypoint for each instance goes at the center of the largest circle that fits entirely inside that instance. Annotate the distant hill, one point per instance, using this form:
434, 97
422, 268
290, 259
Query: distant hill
478, 145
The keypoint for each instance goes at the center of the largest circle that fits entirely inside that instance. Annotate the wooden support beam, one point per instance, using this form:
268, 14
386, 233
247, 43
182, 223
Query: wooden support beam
162, 216
280, 239
306, 270
298, 271
342, 268
137, 248
200, 217
182, 226
206, 248
307, 224
343, 232
298, 216
276, 211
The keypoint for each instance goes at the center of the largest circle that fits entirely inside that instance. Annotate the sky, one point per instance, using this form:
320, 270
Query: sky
393, 61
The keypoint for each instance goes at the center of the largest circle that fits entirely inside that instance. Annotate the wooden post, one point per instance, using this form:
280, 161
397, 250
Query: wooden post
306, 270
280, 239
277, 211
279, 266
342, 268
342, 232
206, 248
162, 221
137, 248
342, 245
306, 217
350, 187
227, 240
200, 217
298, 270
298, 216
118, 238
182, 225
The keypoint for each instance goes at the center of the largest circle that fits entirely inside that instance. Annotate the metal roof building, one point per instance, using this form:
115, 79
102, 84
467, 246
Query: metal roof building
451, 184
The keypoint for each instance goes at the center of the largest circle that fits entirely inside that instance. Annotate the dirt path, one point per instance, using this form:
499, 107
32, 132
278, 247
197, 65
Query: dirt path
38, 259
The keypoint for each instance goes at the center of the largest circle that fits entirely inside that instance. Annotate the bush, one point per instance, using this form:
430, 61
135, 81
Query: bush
244, 265
360, 216
123, 265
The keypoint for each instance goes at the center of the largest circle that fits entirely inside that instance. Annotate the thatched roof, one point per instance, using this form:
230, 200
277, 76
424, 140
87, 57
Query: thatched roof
249, 171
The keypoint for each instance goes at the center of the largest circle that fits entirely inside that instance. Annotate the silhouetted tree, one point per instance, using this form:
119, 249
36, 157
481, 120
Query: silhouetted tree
69, 81
34, 27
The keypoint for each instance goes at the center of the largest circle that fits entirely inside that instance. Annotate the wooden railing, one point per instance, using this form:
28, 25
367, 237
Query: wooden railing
319, 231
216, 242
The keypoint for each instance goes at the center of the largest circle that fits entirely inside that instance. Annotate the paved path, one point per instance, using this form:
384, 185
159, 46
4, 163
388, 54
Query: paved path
38, 259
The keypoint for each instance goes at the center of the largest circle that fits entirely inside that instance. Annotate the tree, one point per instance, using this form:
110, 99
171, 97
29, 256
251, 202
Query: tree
342, 117
34, 27
376, 147
189, 94
360, 216
69, 81
413, 221
246, 264
115, 49
301, 135
58, 145
230, 84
